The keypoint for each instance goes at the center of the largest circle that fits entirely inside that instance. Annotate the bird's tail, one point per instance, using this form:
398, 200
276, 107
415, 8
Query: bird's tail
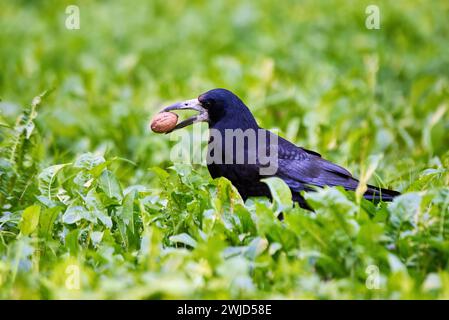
380, 194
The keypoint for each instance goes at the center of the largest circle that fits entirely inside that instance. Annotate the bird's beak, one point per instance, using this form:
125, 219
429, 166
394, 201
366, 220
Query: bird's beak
192, 104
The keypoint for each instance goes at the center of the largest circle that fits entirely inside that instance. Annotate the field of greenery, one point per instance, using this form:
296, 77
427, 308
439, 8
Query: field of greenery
92, 207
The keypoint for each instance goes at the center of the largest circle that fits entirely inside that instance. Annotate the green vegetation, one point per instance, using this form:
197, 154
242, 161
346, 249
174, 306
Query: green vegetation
86, 189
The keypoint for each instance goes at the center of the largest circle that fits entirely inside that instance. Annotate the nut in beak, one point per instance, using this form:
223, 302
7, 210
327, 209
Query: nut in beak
192, 104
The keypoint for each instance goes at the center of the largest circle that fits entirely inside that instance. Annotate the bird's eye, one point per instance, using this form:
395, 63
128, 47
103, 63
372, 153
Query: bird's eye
207, 103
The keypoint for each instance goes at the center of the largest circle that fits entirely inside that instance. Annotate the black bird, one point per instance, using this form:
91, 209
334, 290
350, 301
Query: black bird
300, 168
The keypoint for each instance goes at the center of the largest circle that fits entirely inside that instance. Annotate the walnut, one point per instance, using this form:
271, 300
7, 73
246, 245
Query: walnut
164, 122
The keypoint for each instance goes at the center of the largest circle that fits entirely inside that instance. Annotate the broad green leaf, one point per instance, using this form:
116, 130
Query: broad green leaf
333, 198
74, 214
161, 173
96, 237
227, 195
103, 217
127, 210
47, 219
47, 178
404, 209
127, 218
30, 219
88, 161
71, 217
256, 247
280, 192
110, 185
184, 238
123, 231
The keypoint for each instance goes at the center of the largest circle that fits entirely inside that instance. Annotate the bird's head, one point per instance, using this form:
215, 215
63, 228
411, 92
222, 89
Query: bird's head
216, 106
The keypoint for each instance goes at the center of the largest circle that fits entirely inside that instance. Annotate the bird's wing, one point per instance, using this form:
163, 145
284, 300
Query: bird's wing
301, 169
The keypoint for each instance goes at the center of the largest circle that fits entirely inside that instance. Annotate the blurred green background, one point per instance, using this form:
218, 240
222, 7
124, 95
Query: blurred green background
310, 69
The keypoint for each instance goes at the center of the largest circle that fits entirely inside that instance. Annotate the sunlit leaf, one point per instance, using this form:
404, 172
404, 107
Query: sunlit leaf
30, 219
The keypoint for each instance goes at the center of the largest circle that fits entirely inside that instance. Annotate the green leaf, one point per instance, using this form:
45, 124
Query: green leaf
47, 178
30, 219
334, 198
160, 173
404, 208
256, 247
280, 192
227, 196
73, 214
88, 161
46, 221
184, 238
110, 185
122, 230
104, 218
125, 220
127, 210
71, 242
96, 237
